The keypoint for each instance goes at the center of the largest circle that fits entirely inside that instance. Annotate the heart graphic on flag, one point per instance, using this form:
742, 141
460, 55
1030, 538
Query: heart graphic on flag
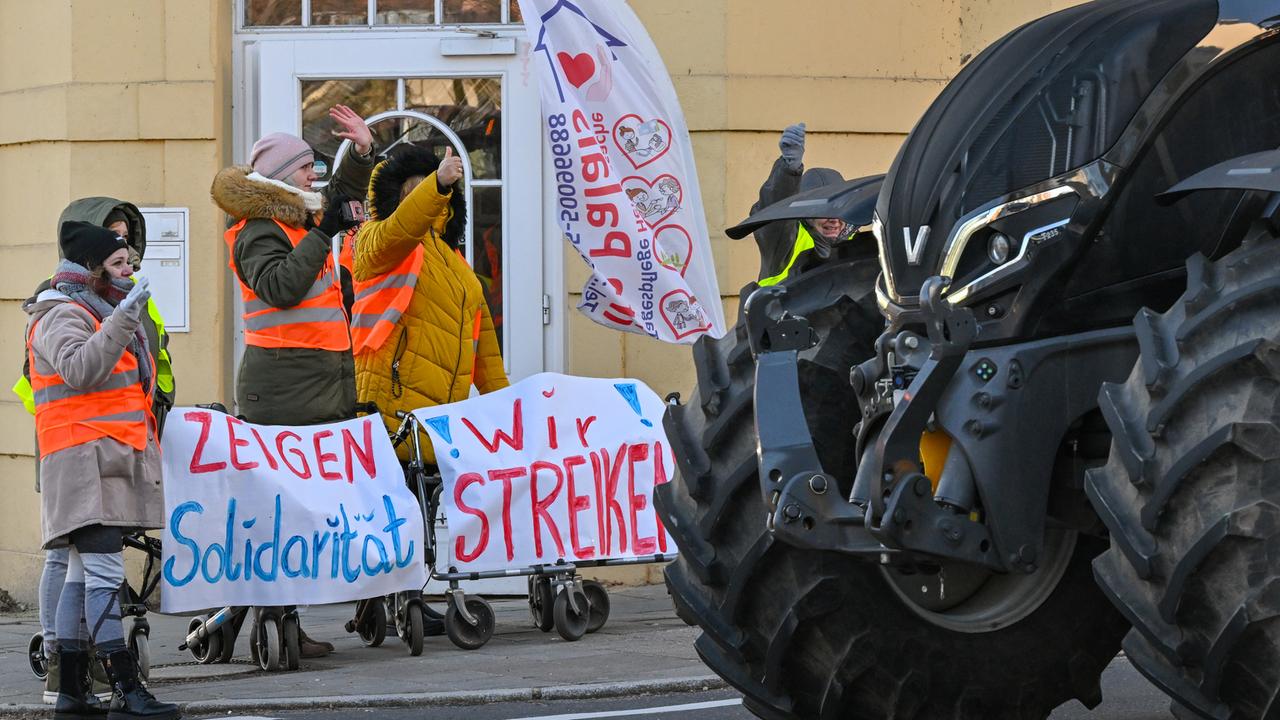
656, 199
641, 141
673, 246
683, 314
577, 68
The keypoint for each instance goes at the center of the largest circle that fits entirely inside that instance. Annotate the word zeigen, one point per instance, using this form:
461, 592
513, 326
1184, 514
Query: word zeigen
298, 456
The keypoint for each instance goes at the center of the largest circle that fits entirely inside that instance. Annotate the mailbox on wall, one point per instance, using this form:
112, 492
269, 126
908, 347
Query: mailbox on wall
166, 264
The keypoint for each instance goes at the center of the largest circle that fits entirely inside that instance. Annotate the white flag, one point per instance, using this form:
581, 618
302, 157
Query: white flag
626, 186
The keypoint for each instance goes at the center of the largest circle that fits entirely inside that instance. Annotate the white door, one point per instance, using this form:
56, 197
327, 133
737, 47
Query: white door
431, 89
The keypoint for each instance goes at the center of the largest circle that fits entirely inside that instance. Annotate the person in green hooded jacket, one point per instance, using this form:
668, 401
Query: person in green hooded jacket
126, 221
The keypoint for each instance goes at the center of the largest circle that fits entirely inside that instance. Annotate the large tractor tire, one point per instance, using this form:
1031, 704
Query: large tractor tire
1191, 493
809, 634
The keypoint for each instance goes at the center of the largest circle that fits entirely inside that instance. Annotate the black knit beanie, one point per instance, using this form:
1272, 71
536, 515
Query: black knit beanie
88, 244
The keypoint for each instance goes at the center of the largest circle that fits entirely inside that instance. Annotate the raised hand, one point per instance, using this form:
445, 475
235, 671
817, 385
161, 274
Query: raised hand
450, 169
792, 146
352, 127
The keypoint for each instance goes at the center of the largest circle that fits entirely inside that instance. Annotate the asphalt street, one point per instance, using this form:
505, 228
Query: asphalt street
1128, 696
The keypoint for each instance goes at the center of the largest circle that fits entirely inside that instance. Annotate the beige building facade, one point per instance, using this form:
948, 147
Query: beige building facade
145, 100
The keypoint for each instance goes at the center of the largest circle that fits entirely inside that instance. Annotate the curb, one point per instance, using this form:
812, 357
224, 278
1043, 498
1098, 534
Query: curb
455, 697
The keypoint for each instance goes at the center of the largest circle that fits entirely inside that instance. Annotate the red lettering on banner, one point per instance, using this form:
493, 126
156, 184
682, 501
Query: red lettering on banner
305, 472
601, 215
540, 506
595, 167
459, 544
515, 439
577, 504
582, 428
597, 475
659, 478
616, 244
625, 315
580, 123
603, 191
364, 454
612, 507
639, 545
271, 462
551, 433
206, 422
236, 442
505, 476
323, 457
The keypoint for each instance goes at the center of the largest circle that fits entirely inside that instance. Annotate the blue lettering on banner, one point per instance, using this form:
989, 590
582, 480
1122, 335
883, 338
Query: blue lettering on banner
299, 557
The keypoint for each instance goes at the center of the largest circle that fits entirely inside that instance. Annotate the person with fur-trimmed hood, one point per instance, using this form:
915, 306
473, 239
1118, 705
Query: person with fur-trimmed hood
421, 327
297, 367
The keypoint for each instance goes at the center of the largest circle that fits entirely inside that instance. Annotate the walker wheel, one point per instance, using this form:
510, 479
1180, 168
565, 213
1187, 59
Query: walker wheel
35, 655
292, 641
228, 632
414, 631
541, 598
598, 598
140, 646
208, 650
373, 627
268, 641
464, 634
571, 626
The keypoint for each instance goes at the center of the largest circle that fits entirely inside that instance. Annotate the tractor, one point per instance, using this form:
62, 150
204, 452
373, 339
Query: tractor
1031, 417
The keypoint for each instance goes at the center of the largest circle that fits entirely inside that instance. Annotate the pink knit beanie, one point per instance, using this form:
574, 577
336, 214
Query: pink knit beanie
278, 155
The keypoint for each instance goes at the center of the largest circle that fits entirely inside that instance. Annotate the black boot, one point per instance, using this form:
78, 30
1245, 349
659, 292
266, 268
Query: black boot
130, 699
75, 702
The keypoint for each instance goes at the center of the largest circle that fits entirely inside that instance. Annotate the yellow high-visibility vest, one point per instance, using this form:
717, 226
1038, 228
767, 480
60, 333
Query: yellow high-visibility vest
804, 241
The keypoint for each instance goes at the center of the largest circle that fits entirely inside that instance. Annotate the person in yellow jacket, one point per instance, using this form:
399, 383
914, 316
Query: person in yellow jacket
421, 328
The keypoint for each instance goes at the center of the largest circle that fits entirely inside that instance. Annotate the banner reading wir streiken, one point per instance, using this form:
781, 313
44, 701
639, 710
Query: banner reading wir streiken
278, 515
626, 186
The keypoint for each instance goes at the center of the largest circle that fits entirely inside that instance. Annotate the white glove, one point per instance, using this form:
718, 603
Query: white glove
137, 297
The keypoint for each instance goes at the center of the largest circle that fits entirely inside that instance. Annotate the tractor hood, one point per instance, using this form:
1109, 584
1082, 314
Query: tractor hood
1045, 101
852, 201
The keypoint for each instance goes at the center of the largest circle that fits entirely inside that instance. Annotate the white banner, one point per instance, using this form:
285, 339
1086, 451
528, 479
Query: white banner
554, 467
626, 185
277, 515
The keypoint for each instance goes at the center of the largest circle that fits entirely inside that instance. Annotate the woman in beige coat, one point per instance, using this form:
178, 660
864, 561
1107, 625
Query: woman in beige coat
93, 380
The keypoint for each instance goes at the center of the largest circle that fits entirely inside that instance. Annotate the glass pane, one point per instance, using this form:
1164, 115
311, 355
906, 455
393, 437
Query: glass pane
339, 12
405, 12
472, 11
366, 97
516, 17
471, 107
486, 215
272, 12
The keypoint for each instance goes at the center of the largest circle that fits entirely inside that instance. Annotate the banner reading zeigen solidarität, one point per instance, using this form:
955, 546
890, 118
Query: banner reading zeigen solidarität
279, 515
626, 186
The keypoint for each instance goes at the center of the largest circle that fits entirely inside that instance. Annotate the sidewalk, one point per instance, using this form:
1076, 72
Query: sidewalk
644, 647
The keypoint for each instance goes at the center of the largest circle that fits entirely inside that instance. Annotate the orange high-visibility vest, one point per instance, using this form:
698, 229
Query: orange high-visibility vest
318, 322
381, 300
119, 408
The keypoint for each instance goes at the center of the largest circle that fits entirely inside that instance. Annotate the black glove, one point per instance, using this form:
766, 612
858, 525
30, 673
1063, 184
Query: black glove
331, 224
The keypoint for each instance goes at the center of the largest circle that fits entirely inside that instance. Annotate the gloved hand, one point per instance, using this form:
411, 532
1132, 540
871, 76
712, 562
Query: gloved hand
792, 146
136, 300
331, 223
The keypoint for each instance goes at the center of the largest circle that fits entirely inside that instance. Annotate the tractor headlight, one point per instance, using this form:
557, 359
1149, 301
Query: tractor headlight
999, 248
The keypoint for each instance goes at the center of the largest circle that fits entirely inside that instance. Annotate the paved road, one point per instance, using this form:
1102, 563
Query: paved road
1128, 697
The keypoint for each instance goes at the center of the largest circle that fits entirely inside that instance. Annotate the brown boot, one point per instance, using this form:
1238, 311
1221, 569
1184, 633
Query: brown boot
311, 649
